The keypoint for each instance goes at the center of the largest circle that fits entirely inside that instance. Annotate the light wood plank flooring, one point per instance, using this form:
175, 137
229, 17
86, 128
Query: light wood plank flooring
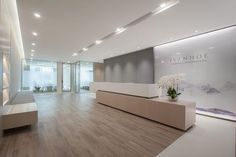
73, 125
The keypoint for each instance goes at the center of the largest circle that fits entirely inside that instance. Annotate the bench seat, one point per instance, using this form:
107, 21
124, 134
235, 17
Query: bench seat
21, 112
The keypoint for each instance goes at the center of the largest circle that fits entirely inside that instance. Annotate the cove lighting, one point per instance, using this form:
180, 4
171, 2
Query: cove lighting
120, 30
37, 15
34, 33
74, 54
85, 49
98, 42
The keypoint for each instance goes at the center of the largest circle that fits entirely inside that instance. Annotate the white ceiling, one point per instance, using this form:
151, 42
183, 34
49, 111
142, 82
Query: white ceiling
67, 26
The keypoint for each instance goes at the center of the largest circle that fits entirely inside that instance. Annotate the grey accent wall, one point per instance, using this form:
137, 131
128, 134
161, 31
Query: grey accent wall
136, 67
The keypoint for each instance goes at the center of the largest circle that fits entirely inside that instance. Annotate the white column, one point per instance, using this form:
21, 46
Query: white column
72, 78
59, 77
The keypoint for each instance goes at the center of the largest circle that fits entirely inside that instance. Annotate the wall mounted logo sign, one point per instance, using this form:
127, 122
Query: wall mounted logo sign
198, 58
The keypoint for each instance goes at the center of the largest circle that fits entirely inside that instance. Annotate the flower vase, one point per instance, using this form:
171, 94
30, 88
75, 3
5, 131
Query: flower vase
173, 99
159, 92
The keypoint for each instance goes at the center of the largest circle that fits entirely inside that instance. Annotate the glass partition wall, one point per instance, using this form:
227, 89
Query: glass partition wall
66, 77
85, 76
39, 76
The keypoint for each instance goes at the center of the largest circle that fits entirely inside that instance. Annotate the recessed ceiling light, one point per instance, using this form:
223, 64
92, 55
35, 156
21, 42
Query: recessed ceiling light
34, 33
98, 42
37, 15
163, 5
32, 54
33, 44
178, 53
162, 62
68, 61
32, 50
120, 30
85, 49
74, 54
196, 31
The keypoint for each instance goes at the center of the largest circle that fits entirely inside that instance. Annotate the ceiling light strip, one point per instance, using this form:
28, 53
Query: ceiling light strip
161, 8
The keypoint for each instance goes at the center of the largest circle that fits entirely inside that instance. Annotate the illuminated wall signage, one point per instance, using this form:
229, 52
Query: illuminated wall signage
198, 58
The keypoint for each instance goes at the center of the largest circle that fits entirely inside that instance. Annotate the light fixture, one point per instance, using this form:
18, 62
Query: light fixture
32, 54
196, 31
32, 50
98, 42
178, 53
120, 30
85, 49
163, 5
33, 44
68, 61
74, 54
162, 62
37, 15
211, 48
34, 33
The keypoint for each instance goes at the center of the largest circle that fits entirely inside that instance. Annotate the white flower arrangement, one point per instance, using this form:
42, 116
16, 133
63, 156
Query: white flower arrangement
171, 83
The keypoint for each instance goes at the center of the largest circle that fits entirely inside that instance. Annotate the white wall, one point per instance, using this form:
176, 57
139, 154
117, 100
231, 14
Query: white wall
9, 14
15, 70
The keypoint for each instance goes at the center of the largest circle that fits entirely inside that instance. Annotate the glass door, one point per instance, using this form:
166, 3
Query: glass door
66, 77
86, 76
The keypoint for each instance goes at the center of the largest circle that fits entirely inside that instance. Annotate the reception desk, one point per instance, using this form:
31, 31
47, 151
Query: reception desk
180, 114
134, 89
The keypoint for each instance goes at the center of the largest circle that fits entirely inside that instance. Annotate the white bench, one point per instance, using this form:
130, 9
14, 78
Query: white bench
22, 112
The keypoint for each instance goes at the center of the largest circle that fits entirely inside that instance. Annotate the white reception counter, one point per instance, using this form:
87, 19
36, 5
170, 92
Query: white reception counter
134, 89
139, 99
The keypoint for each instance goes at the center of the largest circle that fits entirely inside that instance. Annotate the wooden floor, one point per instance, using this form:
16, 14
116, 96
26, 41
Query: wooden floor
73, 125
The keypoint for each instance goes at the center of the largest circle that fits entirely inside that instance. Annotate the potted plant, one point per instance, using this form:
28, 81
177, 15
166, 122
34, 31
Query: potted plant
171, 84
172, 94
37, 89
